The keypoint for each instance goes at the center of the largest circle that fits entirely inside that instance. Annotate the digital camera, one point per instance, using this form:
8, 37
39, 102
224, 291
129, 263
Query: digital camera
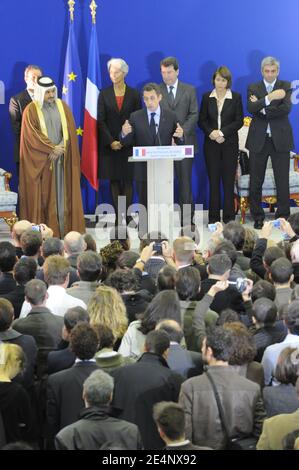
212, 227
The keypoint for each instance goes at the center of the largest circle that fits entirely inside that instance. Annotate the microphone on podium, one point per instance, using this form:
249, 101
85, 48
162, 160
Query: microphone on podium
158, 135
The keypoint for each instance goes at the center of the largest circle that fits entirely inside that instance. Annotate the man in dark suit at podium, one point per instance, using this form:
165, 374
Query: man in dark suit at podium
270, 134
153, 125
17, 105
181, 98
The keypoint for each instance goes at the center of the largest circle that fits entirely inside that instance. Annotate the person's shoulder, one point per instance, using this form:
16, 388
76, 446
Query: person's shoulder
236, 95
20, 96
186, 86
285, 84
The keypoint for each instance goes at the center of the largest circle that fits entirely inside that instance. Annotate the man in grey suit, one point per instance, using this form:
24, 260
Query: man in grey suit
181, 98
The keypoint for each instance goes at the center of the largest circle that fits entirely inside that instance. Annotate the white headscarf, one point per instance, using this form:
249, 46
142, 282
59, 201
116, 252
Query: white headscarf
42, 85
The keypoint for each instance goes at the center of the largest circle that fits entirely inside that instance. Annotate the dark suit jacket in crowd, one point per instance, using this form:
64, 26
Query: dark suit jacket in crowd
60, 360
276, 114
17, 105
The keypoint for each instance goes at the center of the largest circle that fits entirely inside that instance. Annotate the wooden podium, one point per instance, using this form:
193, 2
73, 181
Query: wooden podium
160, 183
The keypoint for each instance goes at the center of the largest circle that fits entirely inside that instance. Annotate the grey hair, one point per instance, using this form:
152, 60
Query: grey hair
270, 61
98, 388
118, 63
74, 242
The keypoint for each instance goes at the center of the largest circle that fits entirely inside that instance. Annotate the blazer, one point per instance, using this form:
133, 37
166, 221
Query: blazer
110, 120
17, 104
276, 115
185, 108
231, 116
141, 135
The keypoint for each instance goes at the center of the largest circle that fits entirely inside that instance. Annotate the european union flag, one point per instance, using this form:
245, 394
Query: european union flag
72, 90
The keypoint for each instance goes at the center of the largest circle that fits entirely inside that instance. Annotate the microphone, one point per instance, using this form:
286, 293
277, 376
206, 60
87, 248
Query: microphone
158, 135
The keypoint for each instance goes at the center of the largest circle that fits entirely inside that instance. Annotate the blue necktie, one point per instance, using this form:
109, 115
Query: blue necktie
269, 88
153, 126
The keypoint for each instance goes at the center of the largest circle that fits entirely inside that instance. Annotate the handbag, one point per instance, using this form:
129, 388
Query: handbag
244, 162
238, 443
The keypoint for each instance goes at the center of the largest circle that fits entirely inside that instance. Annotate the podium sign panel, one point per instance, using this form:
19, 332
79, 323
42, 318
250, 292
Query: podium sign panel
160, 182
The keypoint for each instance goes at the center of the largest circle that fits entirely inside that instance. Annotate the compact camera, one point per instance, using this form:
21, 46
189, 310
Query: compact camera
212, 227
240, 283
276, 223
158, 248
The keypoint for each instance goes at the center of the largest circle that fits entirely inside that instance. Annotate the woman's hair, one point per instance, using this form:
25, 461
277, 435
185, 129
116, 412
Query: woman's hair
243, 348
287, 368
165, 305
225, 73
11, 355
120, 63
110, 254
250, 240
90, 242
106, 307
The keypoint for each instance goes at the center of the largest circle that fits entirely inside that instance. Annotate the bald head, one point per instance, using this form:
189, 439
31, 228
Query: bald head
74, 243
172, 328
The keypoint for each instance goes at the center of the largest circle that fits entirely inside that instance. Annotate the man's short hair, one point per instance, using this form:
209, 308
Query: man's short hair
73, 316
166, 278
124, 280
24, 270
235, 232
7, 257
271, 254
127, 259
226, 248
31, 241
170, 418
52, 246
151, 87
270, 61
187, 283
6, 314
56, 269
292, 317
32, 67
287, 367
98, 388
83, 341
35, 291
89, 265
170, 61
184, 248
172, 328
281, 270
263, 289
264, 311
219, 264
220, 341
157, 342
105, 336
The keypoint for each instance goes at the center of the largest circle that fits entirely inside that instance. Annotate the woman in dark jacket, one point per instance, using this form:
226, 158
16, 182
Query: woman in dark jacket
15, 408
115, 105
220, 118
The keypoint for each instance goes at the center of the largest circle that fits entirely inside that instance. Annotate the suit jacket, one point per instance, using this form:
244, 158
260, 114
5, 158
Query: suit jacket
231, 116
64, 395
60, 360
114, 164
185, 108
16, 297
17, 105
141, 135
276, 115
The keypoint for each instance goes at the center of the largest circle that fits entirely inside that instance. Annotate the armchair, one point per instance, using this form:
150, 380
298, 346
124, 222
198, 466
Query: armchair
8, 200
269, 189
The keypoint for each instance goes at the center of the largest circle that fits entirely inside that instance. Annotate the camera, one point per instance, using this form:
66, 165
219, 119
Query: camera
36, 228
240, 283
276, 223
158, 248
212, 227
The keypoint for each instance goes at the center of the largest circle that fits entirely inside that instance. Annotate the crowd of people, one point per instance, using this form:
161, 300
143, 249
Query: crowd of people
127, 350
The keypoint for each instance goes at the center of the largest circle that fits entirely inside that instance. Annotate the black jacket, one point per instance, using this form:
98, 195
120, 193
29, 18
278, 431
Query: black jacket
96, 428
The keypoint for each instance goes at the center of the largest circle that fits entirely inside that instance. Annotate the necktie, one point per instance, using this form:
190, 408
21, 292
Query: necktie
153, 126
269, 88
171, 95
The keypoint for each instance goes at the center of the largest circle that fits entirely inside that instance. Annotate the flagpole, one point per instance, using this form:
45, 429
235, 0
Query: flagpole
93, 7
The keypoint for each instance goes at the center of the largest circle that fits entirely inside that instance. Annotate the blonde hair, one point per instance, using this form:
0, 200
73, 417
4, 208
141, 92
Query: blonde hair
106, 307
11, 355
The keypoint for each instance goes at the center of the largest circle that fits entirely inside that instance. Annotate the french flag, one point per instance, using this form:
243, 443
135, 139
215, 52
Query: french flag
89, 161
